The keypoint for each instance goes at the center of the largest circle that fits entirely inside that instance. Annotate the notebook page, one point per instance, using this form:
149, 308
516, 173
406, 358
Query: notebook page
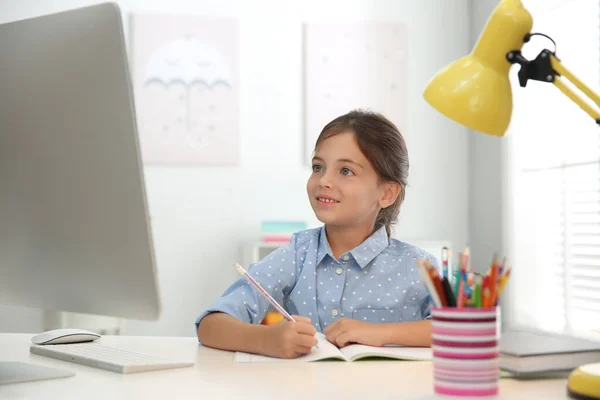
358, 351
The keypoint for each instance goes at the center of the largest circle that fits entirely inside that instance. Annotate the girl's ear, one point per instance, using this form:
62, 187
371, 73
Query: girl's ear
390, 194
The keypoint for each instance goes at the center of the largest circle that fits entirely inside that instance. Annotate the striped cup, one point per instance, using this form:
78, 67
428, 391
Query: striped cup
465, 351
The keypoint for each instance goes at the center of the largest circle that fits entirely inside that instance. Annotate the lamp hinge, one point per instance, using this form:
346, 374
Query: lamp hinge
539, 69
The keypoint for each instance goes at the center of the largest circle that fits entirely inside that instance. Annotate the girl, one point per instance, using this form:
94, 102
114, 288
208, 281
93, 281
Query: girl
347, 279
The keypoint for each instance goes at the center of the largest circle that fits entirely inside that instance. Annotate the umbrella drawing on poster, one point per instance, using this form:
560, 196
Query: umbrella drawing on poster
186, 87
188, 62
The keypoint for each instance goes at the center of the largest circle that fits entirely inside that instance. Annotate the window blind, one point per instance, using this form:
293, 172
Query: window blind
555, 148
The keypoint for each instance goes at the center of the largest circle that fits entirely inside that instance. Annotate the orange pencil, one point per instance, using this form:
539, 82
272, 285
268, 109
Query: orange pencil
485, 292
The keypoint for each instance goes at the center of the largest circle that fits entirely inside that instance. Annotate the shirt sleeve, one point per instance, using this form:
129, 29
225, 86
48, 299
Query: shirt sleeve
428, 301
276, 273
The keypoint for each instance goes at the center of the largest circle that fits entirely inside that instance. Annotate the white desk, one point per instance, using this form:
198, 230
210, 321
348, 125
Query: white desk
216, 376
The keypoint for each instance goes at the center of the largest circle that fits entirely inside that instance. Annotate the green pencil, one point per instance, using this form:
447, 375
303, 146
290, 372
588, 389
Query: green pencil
477, 291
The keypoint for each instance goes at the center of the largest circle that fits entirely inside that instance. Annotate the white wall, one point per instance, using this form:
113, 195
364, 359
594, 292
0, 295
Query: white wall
201, 216
485, 172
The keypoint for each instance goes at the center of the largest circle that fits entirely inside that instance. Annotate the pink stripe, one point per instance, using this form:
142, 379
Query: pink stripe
465, 379
466, 392
469, 311
467, 320
481, 356
471, 372
463, 332
447, 343
458, 364
467, 372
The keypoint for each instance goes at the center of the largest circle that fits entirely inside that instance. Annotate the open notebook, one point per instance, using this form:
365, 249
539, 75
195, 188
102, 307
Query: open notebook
328, 351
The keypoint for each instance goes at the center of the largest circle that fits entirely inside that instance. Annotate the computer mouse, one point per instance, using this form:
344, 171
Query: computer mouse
64, 336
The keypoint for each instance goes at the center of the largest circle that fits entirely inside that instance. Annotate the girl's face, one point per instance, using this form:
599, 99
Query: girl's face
344, 189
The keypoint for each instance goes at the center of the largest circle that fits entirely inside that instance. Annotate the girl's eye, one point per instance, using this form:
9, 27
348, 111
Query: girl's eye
347, 172
317, 168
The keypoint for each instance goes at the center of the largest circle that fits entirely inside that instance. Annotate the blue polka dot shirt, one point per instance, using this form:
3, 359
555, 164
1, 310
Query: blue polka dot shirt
377, 282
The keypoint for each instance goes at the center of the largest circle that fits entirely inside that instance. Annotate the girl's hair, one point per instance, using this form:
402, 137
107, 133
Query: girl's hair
383, 145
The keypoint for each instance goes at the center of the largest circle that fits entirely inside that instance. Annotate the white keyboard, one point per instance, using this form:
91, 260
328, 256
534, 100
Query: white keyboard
95, 355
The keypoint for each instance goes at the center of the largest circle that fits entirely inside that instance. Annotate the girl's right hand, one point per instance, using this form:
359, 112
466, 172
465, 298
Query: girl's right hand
290, 339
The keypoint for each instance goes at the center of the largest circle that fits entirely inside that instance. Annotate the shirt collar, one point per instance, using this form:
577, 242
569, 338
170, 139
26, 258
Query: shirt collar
324, 249
363, 254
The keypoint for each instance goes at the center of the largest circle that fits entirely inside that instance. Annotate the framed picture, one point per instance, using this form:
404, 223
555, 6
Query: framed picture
186, 86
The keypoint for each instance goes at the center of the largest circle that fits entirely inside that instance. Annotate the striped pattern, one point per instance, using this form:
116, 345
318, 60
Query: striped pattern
465, 351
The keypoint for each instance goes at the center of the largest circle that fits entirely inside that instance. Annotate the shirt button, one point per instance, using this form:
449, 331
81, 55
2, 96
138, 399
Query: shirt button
334, 313
346, 257
339, 271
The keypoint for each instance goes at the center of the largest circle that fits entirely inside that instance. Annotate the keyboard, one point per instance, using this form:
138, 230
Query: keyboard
96, 355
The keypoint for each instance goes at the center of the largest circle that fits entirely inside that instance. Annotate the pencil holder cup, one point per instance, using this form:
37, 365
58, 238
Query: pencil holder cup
465, 351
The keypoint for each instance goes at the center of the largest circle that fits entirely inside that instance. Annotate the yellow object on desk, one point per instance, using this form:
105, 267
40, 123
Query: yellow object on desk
584, 382
273, 317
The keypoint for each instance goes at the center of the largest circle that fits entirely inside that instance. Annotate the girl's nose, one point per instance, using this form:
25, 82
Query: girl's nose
325, 181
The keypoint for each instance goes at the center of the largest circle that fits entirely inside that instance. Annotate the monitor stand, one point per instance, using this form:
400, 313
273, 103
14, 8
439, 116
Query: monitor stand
15, 372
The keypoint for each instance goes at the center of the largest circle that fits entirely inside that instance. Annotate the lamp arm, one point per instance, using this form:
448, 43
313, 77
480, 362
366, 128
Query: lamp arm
561, 70
546, 67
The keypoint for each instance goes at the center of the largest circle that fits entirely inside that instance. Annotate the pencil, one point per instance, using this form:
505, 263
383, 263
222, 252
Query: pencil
485, 292
448, 291
460, 299
437, 282
457, 275
265, 294
493, 282
477, 291
429, 283
444, 261
465, 263
503, 280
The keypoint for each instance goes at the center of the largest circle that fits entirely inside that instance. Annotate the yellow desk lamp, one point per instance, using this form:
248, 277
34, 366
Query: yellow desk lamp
475, 91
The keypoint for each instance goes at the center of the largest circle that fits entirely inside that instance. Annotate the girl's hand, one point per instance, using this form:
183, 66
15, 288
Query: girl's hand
348, 331
289, 339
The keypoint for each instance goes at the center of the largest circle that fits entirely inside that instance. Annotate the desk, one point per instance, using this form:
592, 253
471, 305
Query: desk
216, 376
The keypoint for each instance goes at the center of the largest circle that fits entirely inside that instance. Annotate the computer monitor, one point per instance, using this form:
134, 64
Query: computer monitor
74, 225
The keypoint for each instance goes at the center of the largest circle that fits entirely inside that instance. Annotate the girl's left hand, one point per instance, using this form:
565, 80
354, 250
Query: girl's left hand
348, 331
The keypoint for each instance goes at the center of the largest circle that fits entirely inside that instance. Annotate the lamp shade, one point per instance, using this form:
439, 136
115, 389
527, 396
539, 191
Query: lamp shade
475, 90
